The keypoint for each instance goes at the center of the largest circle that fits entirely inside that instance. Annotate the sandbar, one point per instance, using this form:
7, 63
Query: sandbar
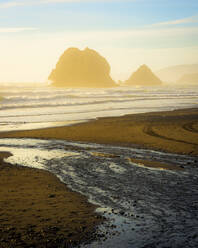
169, 131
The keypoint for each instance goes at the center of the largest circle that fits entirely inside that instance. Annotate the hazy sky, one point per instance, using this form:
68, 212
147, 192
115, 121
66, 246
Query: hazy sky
34, 33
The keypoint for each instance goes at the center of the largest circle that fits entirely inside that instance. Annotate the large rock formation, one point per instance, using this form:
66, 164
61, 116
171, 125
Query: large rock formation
189, 79
143, 77
77, 68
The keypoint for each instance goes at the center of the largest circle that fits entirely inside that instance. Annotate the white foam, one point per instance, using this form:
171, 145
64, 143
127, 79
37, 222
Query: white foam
21, 107
116, 168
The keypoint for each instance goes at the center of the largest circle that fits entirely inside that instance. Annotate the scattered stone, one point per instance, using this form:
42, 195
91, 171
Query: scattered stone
122, 212
52, 196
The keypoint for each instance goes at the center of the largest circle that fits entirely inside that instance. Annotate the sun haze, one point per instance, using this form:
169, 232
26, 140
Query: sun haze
128, 34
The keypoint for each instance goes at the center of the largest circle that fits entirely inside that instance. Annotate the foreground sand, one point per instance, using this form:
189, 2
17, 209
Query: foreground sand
171, 131
37, 210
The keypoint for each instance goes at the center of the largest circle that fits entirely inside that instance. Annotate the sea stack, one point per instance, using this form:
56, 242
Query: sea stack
143, 77
82, 68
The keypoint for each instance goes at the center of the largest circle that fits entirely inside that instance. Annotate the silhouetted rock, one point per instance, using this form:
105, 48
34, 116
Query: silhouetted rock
77, 68
143, 77
189, 79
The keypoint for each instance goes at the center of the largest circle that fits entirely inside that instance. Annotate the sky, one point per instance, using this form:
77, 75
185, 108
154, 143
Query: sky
128, 33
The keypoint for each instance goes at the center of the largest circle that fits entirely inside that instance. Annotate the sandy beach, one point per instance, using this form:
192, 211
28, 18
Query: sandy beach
171, 131
37, 210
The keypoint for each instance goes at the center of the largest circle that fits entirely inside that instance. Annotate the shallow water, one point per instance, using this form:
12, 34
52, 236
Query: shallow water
145, 207
27, 108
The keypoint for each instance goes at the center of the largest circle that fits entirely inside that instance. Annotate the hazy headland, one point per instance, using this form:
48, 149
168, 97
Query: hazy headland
175, 73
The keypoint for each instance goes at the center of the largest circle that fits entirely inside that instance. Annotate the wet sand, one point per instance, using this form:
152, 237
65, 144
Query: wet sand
37, 210
171, 131
154, 164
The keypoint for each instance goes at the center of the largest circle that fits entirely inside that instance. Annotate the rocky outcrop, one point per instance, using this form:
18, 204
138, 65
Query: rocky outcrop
82, 68
143, 77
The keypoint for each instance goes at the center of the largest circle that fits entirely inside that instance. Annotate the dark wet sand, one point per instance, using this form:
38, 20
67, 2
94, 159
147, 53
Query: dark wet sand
37, 210
171, 131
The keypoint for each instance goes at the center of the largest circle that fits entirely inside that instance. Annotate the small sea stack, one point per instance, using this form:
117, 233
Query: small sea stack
143, 77
82, 68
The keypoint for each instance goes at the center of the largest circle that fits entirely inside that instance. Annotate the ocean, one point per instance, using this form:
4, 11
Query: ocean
36, 107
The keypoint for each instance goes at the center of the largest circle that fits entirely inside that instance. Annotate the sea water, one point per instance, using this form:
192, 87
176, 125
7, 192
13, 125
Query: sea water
37, 107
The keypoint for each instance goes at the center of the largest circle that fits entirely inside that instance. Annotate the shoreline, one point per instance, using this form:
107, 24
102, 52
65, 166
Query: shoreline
169, 131
38, 210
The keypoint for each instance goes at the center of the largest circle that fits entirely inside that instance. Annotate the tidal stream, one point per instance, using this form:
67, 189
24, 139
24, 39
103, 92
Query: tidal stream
144, 207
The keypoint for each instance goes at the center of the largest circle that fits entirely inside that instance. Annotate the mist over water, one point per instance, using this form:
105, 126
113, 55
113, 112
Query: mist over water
35, 107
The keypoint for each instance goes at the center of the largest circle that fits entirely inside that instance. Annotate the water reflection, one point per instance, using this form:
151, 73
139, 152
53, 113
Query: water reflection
145, 206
